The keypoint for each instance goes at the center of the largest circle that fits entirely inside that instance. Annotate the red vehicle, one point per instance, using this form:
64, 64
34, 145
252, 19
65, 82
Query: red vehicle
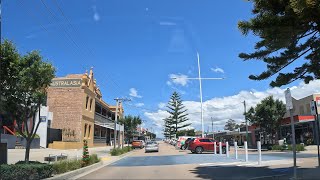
199, 145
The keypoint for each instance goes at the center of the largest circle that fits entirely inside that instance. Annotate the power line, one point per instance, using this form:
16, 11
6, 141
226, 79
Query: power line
65, 32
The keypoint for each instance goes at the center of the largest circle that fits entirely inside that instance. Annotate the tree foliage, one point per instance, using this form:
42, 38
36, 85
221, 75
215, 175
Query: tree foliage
130, 124
178, 116
288, 31
267, 115
231, 125
23, 83
186, 132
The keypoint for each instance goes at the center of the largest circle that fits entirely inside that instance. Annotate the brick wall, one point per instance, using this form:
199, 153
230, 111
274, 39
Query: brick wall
66, 105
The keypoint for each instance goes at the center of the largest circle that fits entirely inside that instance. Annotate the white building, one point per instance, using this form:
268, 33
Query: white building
45, 122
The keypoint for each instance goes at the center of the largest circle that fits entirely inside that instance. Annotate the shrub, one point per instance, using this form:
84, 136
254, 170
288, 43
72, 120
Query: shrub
70, 165
93, 159
299, 147
24, 171
119, 151
25, 133
277, 147
66, 165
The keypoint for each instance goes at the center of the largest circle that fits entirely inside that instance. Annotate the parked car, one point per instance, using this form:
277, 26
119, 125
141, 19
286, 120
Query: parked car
199, 145
152, 146
186, 143
181, 141
137, 144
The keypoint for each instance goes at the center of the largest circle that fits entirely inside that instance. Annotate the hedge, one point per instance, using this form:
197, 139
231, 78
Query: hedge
119, 151
70, 165
22, 171
299, 147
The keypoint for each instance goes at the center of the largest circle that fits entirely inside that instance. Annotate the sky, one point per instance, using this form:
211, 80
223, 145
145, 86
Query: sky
136, 48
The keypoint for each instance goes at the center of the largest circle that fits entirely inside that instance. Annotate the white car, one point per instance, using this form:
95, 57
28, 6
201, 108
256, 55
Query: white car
152, 146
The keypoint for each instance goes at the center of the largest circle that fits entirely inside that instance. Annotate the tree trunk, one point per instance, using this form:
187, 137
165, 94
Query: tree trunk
26, 158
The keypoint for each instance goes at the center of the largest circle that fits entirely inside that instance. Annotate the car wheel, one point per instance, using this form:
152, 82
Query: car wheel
199, 150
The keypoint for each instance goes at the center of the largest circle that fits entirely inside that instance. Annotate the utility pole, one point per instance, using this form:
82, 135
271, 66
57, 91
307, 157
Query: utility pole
245, 117
118, 101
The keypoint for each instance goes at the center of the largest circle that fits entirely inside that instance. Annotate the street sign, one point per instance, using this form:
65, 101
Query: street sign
43, 118
288, 96
313, 107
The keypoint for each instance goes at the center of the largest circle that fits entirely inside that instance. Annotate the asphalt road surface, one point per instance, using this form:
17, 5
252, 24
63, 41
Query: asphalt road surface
170, 163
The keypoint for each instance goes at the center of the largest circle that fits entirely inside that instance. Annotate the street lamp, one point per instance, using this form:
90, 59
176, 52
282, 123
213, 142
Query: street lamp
200, 86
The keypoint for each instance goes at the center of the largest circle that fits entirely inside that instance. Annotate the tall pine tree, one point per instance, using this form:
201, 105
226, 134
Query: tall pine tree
178, 116
289, 31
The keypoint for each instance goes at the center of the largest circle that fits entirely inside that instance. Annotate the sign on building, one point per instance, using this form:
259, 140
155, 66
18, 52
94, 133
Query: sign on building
288, 96
43, 118
65, 83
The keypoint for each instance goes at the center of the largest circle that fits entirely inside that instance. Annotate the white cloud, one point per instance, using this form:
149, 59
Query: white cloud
179, 79
139, 104
96, 16
231, 107
217, 70
134, 93
162, 105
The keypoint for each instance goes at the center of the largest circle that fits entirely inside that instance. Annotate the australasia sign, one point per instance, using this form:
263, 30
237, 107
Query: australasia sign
66, 83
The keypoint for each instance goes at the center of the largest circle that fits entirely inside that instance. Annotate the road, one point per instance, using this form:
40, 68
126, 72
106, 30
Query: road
170, 163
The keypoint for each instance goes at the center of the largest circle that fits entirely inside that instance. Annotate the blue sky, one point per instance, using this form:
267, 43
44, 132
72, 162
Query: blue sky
139, 44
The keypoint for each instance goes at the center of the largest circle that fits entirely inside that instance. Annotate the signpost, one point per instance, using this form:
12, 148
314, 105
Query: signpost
313, 108
289, 107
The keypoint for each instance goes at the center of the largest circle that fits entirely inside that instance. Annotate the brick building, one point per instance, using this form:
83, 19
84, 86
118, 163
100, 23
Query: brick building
79, 111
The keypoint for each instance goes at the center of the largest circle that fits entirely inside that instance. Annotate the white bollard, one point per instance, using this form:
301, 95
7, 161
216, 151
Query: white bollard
227, 149
259, 152
220, 148
215, 147
246, 150
236, 149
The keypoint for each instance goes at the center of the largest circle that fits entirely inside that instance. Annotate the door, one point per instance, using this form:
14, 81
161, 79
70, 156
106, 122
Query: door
206, 144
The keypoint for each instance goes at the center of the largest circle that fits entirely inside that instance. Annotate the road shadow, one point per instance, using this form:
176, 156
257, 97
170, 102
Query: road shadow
258, 173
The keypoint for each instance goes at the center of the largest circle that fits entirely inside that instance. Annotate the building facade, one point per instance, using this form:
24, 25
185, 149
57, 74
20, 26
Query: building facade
79, 111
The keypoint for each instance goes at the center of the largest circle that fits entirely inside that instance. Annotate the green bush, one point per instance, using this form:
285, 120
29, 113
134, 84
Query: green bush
33, 170
119, 151
277, 147
25, 133
70, 165
93, 159
299, 147
66, 165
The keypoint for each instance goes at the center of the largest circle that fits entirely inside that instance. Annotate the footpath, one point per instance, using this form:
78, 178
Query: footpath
15, 155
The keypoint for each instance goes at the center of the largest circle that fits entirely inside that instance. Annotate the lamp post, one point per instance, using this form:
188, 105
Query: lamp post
200, 87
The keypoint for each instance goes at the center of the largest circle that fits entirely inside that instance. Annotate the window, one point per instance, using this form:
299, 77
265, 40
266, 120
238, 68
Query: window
87, 100
205, 140
89, 131
90, 103
85, 130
